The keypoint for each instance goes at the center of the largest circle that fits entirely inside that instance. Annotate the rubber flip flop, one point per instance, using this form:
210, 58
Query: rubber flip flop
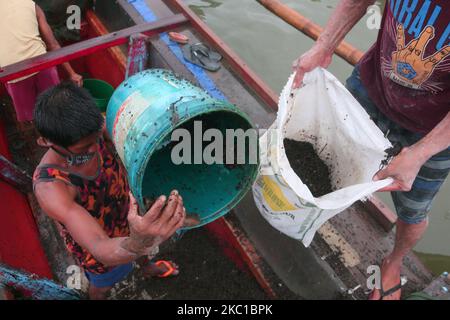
170, 268
207, 51
178, 37
392, 290
199, 56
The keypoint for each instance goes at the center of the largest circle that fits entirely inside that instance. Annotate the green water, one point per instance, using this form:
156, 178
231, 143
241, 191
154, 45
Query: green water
269, 46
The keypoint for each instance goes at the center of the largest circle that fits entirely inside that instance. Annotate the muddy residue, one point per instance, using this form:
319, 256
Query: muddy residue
205, 273
390, 153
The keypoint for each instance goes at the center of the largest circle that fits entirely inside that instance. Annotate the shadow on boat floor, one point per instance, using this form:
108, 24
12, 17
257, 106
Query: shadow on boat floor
205, 273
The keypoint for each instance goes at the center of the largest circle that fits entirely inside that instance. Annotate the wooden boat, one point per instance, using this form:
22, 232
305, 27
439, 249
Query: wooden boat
335, 266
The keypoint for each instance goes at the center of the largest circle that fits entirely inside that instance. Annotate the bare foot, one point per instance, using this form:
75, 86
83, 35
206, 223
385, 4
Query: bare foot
390, 277
159, 269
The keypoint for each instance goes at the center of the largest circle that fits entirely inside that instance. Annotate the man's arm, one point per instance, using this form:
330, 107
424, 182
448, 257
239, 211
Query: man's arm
156, 226
52, 44
435, 141
405, 167
342, 20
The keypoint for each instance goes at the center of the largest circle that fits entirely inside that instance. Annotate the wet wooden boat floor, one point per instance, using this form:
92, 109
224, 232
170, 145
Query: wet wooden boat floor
205, 273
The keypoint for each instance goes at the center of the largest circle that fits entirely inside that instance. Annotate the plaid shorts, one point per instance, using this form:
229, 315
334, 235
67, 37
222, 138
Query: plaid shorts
413, 206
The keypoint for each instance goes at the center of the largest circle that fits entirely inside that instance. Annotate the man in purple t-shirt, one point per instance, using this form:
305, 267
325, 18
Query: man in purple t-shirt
403, 82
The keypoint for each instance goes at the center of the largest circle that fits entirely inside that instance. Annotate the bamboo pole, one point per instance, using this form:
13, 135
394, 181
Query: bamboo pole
345, 50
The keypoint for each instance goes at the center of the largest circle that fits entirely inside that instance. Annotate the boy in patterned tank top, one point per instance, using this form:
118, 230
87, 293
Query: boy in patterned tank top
84, 188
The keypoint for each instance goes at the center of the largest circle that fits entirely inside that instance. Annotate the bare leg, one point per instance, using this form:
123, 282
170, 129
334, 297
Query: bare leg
98, 293
406, 238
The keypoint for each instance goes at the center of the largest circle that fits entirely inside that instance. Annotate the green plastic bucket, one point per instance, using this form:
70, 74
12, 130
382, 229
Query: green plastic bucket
420, 296
100, 90
141, 116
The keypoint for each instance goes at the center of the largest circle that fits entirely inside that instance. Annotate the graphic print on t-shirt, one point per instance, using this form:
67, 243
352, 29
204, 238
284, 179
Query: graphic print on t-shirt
414, 63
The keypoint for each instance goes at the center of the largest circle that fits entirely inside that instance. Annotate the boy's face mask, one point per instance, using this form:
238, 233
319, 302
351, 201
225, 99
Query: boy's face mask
73, 159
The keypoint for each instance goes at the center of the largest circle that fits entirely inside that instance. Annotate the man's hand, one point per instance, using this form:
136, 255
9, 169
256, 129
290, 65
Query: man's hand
77, 79
317, 56
157, 225
403, 169
343, 18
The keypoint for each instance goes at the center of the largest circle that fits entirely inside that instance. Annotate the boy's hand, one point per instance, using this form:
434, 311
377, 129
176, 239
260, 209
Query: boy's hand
158, 224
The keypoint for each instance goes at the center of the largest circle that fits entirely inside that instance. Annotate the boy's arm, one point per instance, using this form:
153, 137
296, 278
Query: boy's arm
52, 44
156, 226
342, 20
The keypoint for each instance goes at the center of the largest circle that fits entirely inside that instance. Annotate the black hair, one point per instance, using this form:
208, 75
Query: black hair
66, 113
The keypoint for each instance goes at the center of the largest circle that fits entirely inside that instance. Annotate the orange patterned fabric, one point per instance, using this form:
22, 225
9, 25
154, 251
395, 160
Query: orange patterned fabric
105, 197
